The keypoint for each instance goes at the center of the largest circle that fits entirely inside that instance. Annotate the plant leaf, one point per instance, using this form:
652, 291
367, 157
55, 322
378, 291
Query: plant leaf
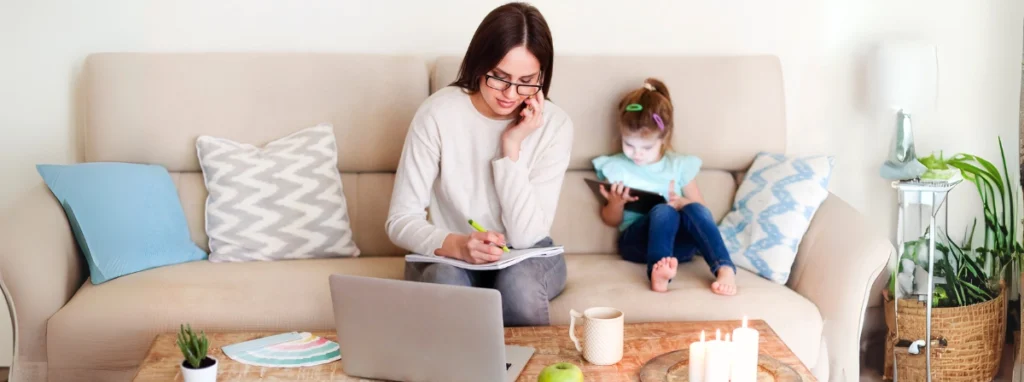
984, 295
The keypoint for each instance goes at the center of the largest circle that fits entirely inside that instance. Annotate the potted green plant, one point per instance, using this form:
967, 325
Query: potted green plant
1000, 193
968, 315
197, 365
969, 300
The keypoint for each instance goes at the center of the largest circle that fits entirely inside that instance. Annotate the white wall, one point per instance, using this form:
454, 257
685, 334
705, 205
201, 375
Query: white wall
979, 89
821, 44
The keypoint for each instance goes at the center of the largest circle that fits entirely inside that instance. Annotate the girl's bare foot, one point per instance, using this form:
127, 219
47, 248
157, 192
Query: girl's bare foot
726, 283
664, 270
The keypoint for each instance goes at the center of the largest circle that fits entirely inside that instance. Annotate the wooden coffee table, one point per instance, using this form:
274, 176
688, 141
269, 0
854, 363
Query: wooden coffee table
642, 342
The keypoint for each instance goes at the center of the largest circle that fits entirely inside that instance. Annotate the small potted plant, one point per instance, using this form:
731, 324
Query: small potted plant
197, 366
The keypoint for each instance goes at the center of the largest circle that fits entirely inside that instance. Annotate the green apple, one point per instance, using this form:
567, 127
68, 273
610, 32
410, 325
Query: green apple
561, 372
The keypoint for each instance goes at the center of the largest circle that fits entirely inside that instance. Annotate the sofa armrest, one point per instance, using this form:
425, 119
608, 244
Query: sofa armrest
41, 268
836, 266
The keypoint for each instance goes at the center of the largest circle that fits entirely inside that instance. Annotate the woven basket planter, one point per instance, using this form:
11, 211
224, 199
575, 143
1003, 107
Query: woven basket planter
967, 341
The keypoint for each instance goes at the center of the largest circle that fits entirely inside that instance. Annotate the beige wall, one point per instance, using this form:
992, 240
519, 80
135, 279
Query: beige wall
821, 44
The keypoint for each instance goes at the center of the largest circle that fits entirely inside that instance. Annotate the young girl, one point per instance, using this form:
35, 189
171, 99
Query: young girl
669, 233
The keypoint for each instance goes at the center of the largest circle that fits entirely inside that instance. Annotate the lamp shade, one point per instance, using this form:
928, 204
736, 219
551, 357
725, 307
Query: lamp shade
904, 75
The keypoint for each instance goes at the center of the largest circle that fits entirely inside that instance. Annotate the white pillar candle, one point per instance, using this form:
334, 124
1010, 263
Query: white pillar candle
697, 360
745, 352
728, 350
716, 360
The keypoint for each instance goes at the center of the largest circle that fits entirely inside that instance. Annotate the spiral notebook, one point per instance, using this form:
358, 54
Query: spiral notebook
508, 259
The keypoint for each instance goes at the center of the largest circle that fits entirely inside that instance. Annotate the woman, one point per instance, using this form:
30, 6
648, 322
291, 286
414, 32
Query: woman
491, 149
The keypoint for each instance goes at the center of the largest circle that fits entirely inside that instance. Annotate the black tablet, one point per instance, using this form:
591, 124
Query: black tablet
647, 200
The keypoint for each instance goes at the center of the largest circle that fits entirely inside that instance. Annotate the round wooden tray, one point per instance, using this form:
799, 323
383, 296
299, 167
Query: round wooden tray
672, 367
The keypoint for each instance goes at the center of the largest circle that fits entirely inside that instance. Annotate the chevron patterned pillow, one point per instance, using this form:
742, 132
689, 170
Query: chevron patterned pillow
772, 210
281, 201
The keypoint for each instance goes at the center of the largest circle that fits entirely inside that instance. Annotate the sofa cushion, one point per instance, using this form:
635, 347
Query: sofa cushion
606, 280
773, 209
367, 196
126, 217
280, 201
111, 326
150, 107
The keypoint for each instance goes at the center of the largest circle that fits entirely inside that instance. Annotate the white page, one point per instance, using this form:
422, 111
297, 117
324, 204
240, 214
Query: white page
507, 259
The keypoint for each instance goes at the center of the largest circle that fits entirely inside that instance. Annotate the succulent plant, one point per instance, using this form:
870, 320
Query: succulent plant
192, 346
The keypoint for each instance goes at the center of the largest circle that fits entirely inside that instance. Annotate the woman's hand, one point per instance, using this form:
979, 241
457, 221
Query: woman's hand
618, 195
476, 248
532, 119
674, 200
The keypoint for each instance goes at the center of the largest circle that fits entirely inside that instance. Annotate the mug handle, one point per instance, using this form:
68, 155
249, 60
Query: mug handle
573, 315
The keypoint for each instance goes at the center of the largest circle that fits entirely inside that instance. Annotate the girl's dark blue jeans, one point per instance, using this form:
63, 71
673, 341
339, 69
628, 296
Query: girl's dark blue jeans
665, 232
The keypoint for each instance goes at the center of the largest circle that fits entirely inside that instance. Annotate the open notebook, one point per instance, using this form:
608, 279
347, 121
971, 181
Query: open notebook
507, 259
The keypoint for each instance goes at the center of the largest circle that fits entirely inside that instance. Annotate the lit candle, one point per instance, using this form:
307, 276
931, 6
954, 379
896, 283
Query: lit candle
729, 350
716, 359
745, 351
697, 360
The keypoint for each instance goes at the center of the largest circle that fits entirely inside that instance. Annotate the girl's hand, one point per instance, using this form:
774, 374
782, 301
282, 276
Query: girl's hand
674, 200
532, 119
619, 194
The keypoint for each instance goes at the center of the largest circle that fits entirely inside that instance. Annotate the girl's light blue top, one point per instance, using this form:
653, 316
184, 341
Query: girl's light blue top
654, 177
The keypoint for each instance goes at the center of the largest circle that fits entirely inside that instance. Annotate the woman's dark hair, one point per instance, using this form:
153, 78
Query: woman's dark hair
507, 27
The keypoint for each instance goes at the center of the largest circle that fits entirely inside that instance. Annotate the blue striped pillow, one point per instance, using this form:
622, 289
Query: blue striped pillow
772, 211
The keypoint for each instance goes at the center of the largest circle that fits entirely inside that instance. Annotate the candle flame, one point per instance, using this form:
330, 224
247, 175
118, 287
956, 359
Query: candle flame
744, 321
718, 334
701, 336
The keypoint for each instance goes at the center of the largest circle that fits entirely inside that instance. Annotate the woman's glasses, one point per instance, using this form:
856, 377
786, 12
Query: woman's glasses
502, 85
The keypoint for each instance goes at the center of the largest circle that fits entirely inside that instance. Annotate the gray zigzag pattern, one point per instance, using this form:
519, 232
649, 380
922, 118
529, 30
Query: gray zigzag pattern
284, 201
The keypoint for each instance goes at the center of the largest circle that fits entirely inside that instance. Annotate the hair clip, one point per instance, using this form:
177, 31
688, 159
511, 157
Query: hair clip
634, 107
657, 119
648, 86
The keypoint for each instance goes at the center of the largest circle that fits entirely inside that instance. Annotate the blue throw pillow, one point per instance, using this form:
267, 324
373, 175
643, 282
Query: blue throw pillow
126, 217
772, 211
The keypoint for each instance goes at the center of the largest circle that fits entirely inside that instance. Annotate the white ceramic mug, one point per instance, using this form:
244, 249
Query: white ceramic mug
602, 334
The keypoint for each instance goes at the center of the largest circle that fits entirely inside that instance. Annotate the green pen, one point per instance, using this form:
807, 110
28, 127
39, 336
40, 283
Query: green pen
481, 229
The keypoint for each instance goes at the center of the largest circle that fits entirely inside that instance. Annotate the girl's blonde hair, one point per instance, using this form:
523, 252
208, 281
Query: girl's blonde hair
655, 106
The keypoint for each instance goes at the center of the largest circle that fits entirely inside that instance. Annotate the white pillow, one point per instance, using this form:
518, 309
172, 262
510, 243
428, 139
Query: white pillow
773, 208
282, 201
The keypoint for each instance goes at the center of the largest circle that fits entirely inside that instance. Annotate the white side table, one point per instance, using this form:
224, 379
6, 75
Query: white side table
928, 199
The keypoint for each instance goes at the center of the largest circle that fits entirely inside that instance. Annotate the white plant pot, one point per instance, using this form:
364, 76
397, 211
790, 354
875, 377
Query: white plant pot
206, 374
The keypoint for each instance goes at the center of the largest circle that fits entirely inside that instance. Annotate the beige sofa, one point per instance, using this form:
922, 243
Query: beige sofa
149, 108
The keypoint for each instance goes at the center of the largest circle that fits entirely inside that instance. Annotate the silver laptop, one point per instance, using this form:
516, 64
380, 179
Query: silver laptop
421, 332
